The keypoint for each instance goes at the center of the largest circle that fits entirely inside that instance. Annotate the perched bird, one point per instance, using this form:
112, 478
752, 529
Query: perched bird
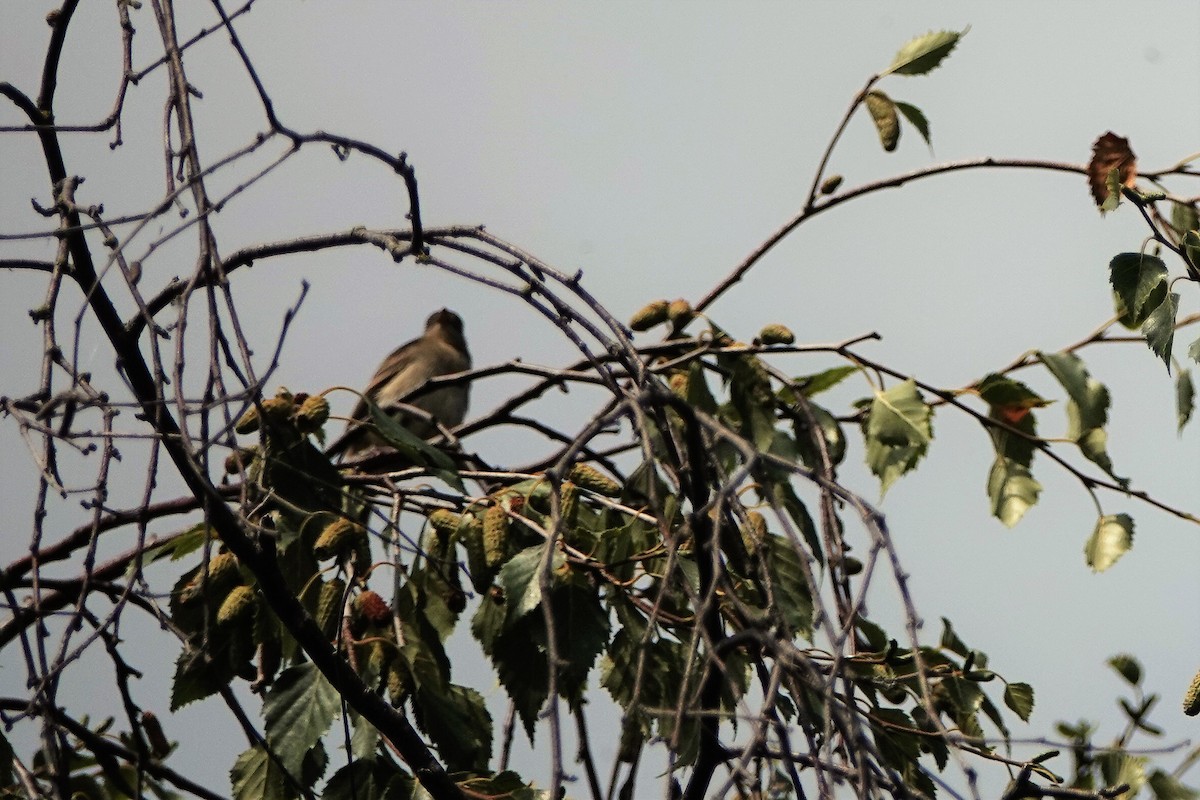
441, 350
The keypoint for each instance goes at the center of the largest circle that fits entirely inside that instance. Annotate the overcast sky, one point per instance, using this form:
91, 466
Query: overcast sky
654, 147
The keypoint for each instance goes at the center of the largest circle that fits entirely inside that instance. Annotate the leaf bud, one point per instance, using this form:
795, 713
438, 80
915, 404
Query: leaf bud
831, 184
776, 334
239, 459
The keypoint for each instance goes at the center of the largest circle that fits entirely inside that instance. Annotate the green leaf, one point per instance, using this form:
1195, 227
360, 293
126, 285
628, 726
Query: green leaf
374, 778
1110, 540
924, 53
1159, 329
830, 430
819, 382
1087, 412
898, 431
298, 711
176, 547
784, 495
1139, 284
522, 669
520, 578
1012, 490
887, 122
414, 448
1191, 248
1167, 787
1194, 350
1000, 391
365, 738
1185, 398
1011, 403
459, 724
1019, 698
951, 641
793, 602
1184, 217
1112, 186
917, 118
1128, 667
256, 776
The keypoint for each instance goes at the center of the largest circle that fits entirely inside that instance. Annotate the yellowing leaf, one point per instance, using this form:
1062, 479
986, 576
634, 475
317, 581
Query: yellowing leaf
924, 53
1111, 539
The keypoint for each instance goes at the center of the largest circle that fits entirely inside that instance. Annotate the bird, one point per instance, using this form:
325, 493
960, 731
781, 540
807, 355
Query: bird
441, 350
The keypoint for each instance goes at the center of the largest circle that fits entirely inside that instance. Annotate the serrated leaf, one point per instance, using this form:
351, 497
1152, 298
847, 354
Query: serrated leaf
256, 776
1004, 392
1112, 192
951, 640
520, 579
1139, 284
175, 548
1128, 667
459, 724
1012, 403
792, 600
1087, 412
1159, 329
815, 384
1185, 398
1019, 698
1012, 490
917, 119
298, 711
1191, 248
887, 122
365, 738
924, 53
1184, 217
784, 495
1111, 539
374, 778
414, 448
898, 430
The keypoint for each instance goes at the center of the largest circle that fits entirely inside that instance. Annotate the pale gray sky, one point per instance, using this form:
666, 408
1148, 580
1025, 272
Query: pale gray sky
654, 147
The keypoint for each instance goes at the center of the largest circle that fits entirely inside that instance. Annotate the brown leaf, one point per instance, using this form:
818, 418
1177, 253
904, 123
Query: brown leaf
1108, 153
